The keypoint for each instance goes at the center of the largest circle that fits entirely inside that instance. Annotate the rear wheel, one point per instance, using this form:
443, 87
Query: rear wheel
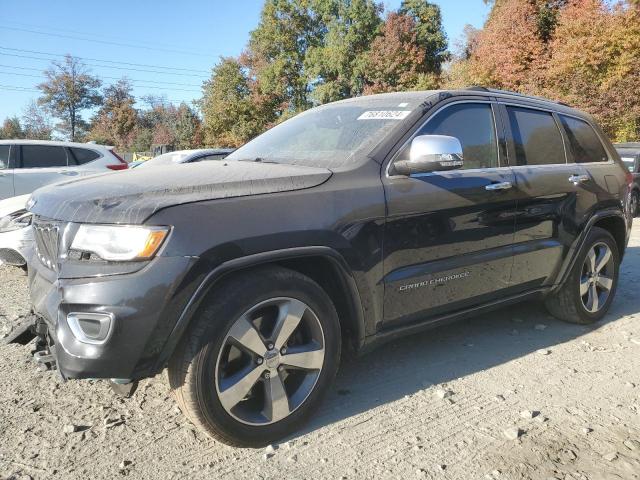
634, 203
589, 289
258, 358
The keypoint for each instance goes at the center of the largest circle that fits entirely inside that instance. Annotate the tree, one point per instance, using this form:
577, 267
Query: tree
274, 57
37, 122
232, 112
595, 64
188, 128
11, 129
116, 120
335, 65
396, 60
430, 34
68, 90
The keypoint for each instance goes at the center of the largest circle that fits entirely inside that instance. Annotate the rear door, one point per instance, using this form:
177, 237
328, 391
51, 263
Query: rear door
553, 194
448, 235
40, 165
6, 172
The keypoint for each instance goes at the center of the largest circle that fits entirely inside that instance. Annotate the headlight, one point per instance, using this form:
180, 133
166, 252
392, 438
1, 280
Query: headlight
15, 221
118, 242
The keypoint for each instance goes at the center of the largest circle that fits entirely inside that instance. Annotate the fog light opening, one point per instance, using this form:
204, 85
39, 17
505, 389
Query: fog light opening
91, 328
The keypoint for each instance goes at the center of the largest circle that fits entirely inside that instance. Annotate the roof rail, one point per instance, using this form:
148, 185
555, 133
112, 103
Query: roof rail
515, 94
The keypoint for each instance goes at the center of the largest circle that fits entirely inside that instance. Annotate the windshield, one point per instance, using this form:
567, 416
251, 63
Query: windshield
332, 135
629, 162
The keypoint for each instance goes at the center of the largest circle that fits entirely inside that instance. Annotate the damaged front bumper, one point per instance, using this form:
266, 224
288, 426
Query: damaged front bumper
141, 307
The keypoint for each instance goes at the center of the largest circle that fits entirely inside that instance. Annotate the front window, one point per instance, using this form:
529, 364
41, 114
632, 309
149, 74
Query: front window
332, 135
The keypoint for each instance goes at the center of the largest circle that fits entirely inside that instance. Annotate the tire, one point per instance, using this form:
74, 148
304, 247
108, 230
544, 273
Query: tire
569, 303
635, 203
210, 357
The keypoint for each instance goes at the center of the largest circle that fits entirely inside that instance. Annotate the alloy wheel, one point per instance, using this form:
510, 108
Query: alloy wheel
270, 361
596, 280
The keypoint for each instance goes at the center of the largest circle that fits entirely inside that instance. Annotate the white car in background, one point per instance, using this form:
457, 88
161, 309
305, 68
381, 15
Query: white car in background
16, 235
26, 165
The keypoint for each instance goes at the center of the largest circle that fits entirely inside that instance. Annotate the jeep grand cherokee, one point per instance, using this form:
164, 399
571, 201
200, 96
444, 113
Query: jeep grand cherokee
351, 223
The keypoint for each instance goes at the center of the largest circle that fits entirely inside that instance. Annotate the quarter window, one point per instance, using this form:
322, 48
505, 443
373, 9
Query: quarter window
536, 137
84, 155
585, 144
4, 156
473, 125
43, 156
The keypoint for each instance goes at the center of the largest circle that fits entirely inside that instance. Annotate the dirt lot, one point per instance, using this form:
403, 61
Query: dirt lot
574, 393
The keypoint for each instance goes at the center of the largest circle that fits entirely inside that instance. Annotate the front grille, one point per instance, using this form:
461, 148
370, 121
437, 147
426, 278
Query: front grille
47, 242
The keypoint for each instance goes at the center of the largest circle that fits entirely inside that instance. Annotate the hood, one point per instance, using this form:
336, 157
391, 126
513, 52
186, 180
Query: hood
132, 196
13, 204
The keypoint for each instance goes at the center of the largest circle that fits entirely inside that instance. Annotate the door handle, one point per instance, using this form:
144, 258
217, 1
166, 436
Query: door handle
68, 173
576, 179
498, 186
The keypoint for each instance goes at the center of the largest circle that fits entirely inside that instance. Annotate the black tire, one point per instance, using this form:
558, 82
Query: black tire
567, 303
635, 203
192, 368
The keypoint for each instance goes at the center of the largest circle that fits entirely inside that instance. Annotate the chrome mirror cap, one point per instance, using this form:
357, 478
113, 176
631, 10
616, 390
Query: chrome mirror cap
430, 153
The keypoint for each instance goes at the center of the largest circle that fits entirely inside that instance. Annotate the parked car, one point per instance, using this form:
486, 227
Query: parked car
352, 223
28, 164
630, 154
16, 234
187, 156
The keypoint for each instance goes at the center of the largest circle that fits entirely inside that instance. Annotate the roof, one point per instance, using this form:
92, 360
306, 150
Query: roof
54, 143
472, 91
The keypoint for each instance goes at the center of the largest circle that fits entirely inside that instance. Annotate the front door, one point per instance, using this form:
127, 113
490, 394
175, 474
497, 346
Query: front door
449, 235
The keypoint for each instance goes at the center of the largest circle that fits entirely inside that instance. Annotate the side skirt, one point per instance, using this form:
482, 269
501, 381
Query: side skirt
389, 334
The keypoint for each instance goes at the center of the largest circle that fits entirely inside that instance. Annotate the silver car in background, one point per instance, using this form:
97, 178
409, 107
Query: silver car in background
187, 156
16, 235
26, 165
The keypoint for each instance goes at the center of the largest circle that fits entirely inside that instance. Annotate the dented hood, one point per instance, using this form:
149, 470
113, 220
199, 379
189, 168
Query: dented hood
132, 196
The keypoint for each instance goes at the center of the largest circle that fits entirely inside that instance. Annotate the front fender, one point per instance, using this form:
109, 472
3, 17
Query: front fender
221, 271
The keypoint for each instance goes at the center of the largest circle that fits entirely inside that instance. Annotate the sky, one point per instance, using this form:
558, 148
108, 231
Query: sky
165, 47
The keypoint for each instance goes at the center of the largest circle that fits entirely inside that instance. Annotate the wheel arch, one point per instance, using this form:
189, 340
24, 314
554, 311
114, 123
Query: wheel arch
612, 220
322, 264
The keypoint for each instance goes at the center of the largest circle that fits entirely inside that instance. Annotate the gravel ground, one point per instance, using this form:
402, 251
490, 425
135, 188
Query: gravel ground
514, 394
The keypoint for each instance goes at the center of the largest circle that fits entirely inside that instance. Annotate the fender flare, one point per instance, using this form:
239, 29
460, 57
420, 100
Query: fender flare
577, 245
241, 263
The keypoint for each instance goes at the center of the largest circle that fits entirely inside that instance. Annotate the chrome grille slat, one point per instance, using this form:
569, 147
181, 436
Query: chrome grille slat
47, 242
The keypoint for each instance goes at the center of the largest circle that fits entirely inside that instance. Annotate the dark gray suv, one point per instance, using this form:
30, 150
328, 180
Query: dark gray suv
347, 225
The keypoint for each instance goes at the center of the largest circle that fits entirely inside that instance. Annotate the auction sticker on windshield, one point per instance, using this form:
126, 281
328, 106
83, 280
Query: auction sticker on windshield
384, 115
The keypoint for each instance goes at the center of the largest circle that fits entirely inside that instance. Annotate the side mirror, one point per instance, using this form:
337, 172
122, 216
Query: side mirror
431, 153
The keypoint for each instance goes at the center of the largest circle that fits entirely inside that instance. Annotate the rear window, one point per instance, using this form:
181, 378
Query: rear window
43, 156
4, 156
586, 147
630, 163
84, 155
536, 137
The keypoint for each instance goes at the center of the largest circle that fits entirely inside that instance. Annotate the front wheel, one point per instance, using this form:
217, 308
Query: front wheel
590, 287
254, 365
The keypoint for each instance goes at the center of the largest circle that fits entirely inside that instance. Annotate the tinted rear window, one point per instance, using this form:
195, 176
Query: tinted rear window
4, 156
585, 144
42, 156
536, 137
84, 155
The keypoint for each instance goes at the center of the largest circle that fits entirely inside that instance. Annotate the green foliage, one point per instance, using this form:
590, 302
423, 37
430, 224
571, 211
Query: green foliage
11, 129
116, 120
335, 67
68, 90
232, 113
37, 122
430, 33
